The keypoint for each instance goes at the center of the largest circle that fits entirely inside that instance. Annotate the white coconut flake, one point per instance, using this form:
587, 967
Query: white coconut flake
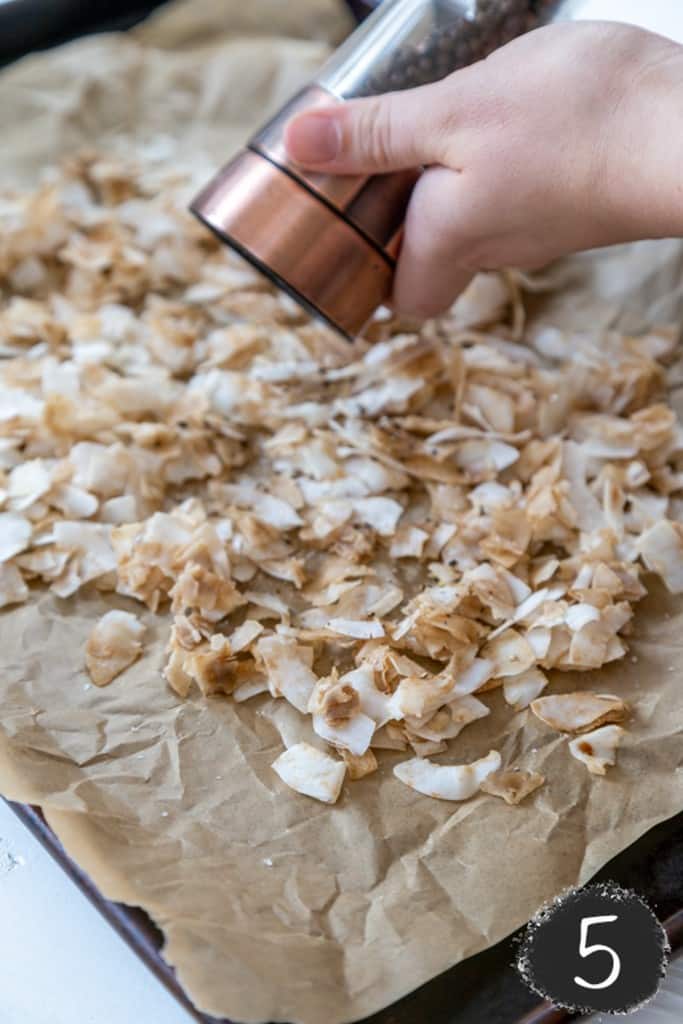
511, 654
474, 677
447, 782
311, 772
379, 706
598, 749
13, 589
361, 629
408, 543
482, 457
28, 482
449, 721
579, 711
661, 549
267, 507
353, 735
245, 635
15, 535
520, 690
253, 688
288, 666
539, 639
115, 642
74, 502
382, 514
579, 615
119, 510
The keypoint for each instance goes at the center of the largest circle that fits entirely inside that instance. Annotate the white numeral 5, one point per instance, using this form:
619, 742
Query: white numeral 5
585, 950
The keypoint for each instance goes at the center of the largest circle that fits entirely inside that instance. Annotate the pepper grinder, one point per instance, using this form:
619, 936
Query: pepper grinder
331, 241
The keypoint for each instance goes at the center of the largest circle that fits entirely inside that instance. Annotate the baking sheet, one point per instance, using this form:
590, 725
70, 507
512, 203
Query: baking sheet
274, 907
488, 987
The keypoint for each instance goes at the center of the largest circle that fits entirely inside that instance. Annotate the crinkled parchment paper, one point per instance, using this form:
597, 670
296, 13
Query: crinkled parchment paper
276, 907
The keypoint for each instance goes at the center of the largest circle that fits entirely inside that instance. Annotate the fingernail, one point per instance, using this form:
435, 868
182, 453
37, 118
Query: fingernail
313, 138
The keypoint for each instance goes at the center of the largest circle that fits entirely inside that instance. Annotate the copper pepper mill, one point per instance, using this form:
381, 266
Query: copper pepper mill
331, 241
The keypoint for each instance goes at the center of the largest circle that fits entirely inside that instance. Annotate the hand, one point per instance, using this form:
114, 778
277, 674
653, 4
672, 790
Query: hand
567, 138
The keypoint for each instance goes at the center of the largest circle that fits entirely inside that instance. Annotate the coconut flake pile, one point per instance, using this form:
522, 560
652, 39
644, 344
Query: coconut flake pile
378, 534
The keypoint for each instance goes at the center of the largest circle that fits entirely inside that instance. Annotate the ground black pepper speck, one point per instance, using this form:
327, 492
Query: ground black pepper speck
455, 42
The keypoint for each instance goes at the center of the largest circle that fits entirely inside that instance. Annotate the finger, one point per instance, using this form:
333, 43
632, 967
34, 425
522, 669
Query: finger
431, 271
392, 132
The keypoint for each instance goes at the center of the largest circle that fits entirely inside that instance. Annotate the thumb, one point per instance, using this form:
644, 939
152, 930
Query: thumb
392, 132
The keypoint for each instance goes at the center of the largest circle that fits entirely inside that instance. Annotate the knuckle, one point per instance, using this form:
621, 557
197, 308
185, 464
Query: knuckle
374, 132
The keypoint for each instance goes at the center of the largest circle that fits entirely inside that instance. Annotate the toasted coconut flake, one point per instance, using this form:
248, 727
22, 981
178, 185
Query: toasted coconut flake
408, 542
526, 608
661, 548
518, 588
98, 468
520, 690
490, 495
28, 482
579, 615
211, 595
267, 507
176, 676
15, 535
579, 712
391, 736
214, 668
544, 569
359, 767
439, 538
361, 629
483, 302
336, 701
13, 589
74, 502
509, 538
91, 553
425, 748
588, 646
449, 721
353, 734
447, 782
288, 666
598, 749
586, 505
377, 704
539, 639
513, 786
119, 510
510, 654
311, 772
244, 635
114, 643
419, 696
382, 514
483, 459
474, 677
251, 688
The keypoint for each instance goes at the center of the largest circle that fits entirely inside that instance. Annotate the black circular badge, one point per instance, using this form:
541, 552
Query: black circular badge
599, 948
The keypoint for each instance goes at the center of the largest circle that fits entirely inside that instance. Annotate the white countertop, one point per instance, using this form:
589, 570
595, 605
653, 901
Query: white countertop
60, 961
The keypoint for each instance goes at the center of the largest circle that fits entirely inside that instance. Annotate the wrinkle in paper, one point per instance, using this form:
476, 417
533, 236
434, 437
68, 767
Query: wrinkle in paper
278, 908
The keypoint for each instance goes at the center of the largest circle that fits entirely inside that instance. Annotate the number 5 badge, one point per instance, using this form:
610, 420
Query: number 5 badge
599, 948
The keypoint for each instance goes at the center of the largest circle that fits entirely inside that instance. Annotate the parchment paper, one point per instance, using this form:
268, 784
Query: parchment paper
275, 907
